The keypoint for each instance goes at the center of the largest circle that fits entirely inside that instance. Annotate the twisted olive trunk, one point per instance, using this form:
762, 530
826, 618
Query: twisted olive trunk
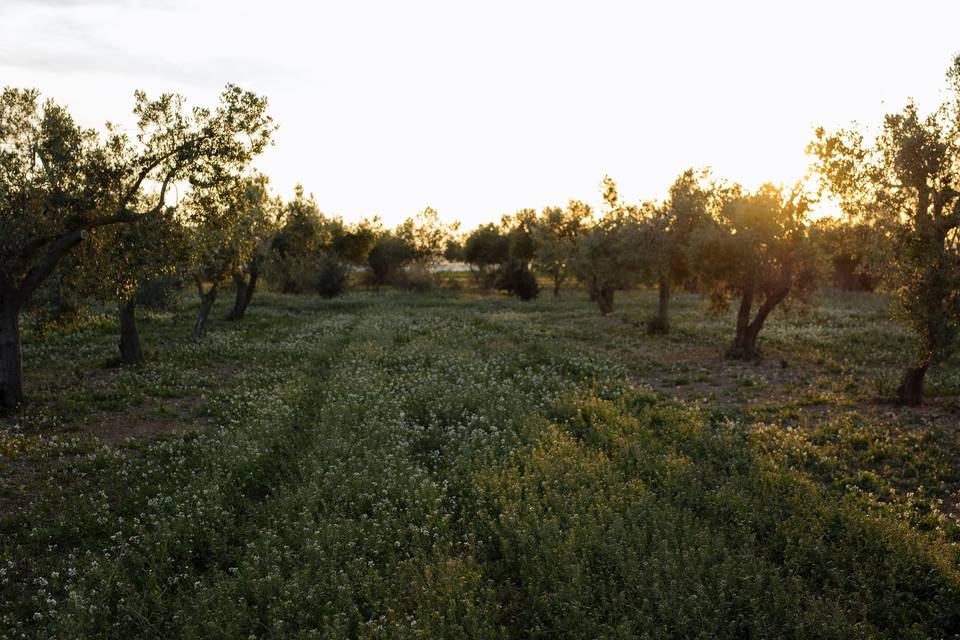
744, 345
605, 299
910, 391
661, 323
131, 352
11, 371
207, 298
244, 294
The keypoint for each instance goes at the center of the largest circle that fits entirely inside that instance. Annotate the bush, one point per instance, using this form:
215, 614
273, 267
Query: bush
417, 277
516, 278
657, 326
331, 277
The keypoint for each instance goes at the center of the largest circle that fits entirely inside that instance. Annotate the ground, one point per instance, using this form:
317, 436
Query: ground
451, 464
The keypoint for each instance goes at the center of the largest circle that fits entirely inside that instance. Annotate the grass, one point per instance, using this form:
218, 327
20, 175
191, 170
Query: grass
456, 465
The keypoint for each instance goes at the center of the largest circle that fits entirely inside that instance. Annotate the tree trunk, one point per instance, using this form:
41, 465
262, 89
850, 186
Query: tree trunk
661, 322
244, 294
910, 391
240, 293
130, 350
744, 345
663, 310
11, 372
605, 299
592, 289
203, 313
556, 286
250, 289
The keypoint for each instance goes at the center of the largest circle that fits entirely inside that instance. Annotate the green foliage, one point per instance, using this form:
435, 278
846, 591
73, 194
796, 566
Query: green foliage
905, 184
59, 181
160, 292
427, 235
353, 243
519, 229
229, 219
691, 205
61, 299
555, 240
155, 252
484, 250
612, 251
847, 250
388, 257
405, 256
515, 277
759, 251
331, 276
454, 251
302, 248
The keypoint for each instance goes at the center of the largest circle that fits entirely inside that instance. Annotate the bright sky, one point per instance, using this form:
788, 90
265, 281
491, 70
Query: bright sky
479, 109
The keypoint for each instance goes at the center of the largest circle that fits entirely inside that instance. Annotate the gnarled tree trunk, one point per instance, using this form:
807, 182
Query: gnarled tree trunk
605, 299
130, 351
244, 294
744, 345
207, 298
661, 322
910, 391
11, 372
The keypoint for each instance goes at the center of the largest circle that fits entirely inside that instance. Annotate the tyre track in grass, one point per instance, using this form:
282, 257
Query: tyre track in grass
372, 539
175, 513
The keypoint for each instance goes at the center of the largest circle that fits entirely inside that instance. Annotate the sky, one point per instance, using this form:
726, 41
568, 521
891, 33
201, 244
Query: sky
480, 109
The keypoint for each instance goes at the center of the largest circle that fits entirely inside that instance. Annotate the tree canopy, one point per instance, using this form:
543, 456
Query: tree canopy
904, 183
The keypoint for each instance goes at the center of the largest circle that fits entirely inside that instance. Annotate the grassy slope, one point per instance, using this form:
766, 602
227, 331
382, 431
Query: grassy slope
445, 465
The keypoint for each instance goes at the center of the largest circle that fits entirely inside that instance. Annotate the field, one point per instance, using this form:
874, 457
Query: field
450, 465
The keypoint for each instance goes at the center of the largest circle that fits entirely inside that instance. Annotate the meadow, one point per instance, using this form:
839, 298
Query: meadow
451, 465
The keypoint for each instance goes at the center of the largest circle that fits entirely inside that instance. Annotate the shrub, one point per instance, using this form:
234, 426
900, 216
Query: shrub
331, 276
417, 277
657, 325
516, 278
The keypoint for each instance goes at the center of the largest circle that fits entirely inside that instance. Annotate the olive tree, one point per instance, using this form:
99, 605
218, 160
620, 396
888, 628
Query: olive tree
555, 237
671, 228
59, 181
485, 249
609, 254
262, 218
427, 234
420, 241
226, 216
758, 250
905, 183
294, 246
126, 257
313, 252
846, 250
